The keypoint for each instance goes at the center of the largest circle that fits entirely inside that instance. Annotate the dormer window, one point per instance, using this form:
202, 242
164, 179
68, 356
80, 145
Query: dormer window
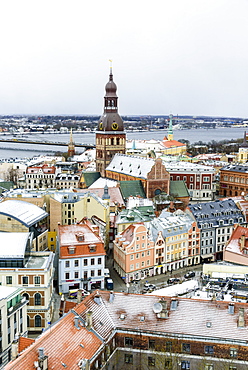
80, 237
71, 249
92, 248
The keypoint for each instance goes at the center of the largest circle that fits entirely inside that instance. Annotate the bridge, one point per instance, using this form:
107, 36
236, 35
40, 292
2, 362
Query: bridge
24, 141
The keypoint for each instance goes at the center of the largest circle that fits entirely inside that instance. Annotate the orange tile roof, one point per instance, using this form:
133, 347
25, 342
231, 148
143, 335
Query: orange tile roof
68, 237
24, 343
171, 143
62, 343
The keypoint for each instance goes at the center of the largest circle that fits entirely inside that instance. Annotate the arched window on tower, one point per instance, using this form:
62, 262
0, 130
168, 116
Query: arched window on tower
117, 141
112, 141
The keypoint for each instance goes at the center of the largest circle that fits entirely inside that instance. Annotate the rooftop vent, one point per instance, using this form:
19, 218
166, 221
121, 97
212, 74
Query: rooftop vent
122, 316
208, 324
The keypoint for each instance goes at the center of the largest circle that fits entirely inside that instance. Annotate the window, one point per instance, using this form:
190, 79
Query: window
76, 275
25, 280
232, 368
92, 261
168, 364
67, 263
128, 359
186, 347
151, 361
37, 280
185, 365
99, 261
168, 346
92, 273
99, 272
233, 352
128, 342
76, 263
37, 321
85, 262
67, 275
209, 350
8, 280
151, 343
37, 299
209, 367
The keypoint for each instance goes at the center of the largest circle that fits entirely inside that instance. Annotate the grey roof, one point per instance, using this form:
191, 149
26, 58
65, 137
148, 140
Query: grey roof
188, 319
170, 224
26, 213
16, 245
211, 213
235, 168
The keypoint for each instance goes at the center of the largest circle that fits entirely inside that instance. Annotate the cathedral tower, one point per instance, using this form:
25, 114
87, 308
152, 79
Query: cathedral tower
110, 135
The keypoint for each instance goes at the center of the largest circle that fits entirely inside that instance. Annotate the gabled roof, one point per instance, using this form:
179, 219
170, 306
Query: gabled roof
134, 215
234, 242
26, 213
178, 189
172, 144
90, 177
216, 211
66, 343
132, 188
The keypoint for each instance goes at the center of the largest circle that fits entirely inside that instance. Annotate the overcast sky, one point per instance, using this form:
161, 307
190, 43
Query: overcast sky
169, 56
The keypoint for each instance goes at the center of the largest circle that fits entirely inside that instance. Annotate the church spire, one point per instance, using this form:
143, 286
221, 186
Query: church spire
71, 146
170, 129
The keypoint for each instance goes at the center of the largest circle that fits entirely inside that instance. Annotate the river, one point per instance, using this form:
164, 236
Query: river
18, 150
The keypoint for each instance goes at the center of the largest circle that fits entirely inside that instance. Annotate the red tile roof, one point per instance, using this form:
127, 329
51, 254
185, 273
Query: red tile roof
171, 143
24, 343
62, 343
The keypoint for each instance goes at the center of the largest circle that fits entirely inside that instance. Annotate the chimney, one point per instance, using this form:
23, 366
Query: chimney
111, 297
97, 298
14, 347
76, 322
89, 320
242, 242
79, 296
241, 318
42, 359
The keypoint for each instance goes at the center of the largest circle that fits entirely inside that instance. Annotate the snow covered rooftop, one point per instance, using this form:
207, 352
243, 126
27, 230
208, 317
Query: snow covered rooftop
13, 245
26, 213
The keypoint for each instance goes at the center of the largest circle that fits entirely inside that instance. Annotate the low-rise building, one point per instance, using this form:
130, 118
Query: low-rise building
134, 253
233, 180
216, 221
33, 272
236, 250
20, 216
81, 257
40, 176
13, 320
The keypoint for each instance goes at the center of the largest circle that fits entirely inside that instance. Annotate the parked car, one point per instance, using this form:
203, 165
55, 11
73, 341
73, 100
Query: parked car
173, 280
74, 292
189, 274
148, 286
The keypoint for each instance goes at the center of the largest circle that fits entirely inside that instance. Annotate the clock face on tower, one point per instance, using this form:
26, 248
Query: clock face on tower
114, 126
100, 125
